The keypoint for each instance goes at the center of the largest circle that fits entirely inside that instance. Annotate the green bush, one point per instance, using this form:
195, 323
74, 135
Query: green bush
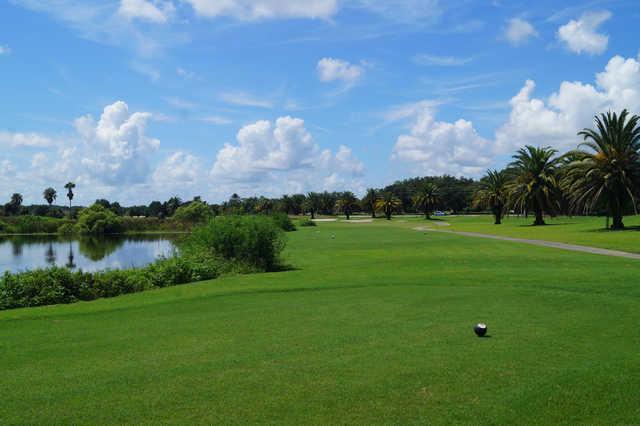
192, 213
253, 241
29, 224
98, 220
67, 229
305, 221
283, 221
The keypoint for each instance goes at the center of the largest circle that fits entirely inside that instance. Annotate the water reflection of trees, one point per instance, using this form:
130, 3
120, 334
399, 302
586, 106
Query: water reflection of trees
94, 248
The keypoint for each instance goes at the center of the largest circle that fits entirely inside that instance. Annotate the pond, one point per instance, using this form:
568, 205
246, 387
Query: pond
20, 253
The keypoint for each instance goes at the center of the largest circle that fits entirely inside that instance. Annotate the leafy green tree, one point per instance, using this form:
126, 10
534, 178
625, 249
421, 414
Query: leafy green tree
388, 204
607, 170
427, 199
192, 213
50, 195
368, 202
97, 220
535, 186
70, 186
346, 204
171, 205
493, 194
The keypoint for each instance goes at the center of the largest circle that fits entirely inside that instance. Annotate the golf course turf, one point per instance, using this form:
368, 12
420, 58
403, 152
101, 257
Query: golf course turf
372, 324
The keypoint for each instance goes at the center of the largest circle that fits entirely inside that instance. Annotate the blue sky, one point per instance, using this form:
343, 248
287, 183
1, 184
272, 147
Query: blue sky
138, 100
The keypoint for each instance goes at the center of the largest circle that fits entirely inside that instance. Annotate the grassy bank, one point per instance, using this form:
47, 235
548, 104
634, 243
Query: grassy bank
372, 325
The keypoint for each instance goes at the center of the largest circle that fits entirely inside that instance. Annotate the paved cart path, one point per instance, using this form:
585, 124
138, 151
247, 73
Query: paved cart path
543, 243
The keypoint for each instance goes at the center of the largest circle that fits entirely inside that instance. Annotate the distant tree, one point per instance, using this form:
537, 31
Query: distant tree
388, 204
312, 204
426, 199
608, 170
155, 209
493, 194
171, 205
50, 195
194, 212
14, 205
369, 201
104, 203
535, 185
346, 203
263, 205
69, 186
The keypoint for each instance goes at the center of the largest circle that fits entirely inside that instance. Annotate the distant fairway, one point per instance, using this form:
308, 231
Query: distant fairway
372, 326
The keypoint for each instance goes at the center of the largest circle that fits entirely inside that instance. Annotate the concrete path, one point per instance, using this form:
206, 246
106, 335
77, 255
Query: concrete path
543, 243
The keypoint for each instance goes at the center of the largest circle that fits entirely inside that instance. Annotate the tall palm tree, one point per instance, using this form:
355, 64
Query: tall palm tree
50, 195
535, 186
388, 204
608, 170
493, 194
15, 203
312, 204
369, 201
69, 186
427, 198
346, 203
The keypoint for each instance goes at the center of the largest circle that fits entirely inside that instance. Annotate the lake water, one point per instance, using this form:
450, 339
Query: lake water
20, 253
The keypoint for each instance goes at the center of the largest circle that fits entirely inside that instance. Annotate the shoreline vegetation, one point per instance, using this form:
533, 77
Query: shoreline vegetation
224, 245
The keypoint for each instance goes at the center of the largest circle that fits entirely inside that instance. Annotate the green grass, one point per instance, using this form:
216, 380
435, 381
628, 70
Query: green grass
589, 231
372, 326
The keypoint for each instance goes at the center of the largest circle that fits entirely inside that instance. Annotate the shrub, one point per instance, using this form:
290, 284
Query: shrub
192, 213
29, 224
283, 222
60, 285
305, 221
254, 241
98, 220
4, 228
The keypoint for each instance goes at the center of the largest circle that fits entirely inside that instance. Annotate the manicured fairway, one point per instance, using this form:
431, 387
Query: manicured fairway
589, 231
372, 326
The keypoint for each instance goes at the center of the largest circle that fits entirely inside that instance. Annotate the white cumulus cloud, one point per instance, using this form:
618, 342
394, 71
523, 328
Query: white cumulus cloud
518, 31
115, 149
331, 69
283, 157
251, 10
437, 147
4, 50
571, 108
581, 36
178, 169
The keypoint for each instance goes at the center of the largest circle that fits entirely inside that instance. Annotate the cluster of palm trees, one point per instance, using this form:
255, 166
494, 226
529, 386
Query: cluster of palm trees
602, 173
50, 194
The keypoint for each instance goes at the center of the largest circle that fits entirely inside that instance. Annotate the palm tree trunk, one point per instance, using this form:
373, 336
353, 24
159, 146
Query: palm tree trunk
616, 213
497, 213
388, 213
539, 217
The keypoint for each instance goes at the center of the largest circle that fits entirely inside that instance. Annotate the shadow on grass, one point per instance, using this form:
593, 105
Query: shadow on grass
626, 229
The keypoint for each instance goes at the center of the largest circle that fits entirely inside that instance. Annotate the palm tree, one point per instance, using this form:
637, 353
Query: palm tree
608, 171
493, 194
346, 203
15, 203
312, 204
264, 205
50, 195
369, 201
388, 204
427, 198
69, 186
535, 186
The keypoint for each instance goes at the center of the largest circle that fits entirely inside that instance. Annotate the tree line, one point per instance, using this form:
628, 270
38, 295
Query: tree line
600, 176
